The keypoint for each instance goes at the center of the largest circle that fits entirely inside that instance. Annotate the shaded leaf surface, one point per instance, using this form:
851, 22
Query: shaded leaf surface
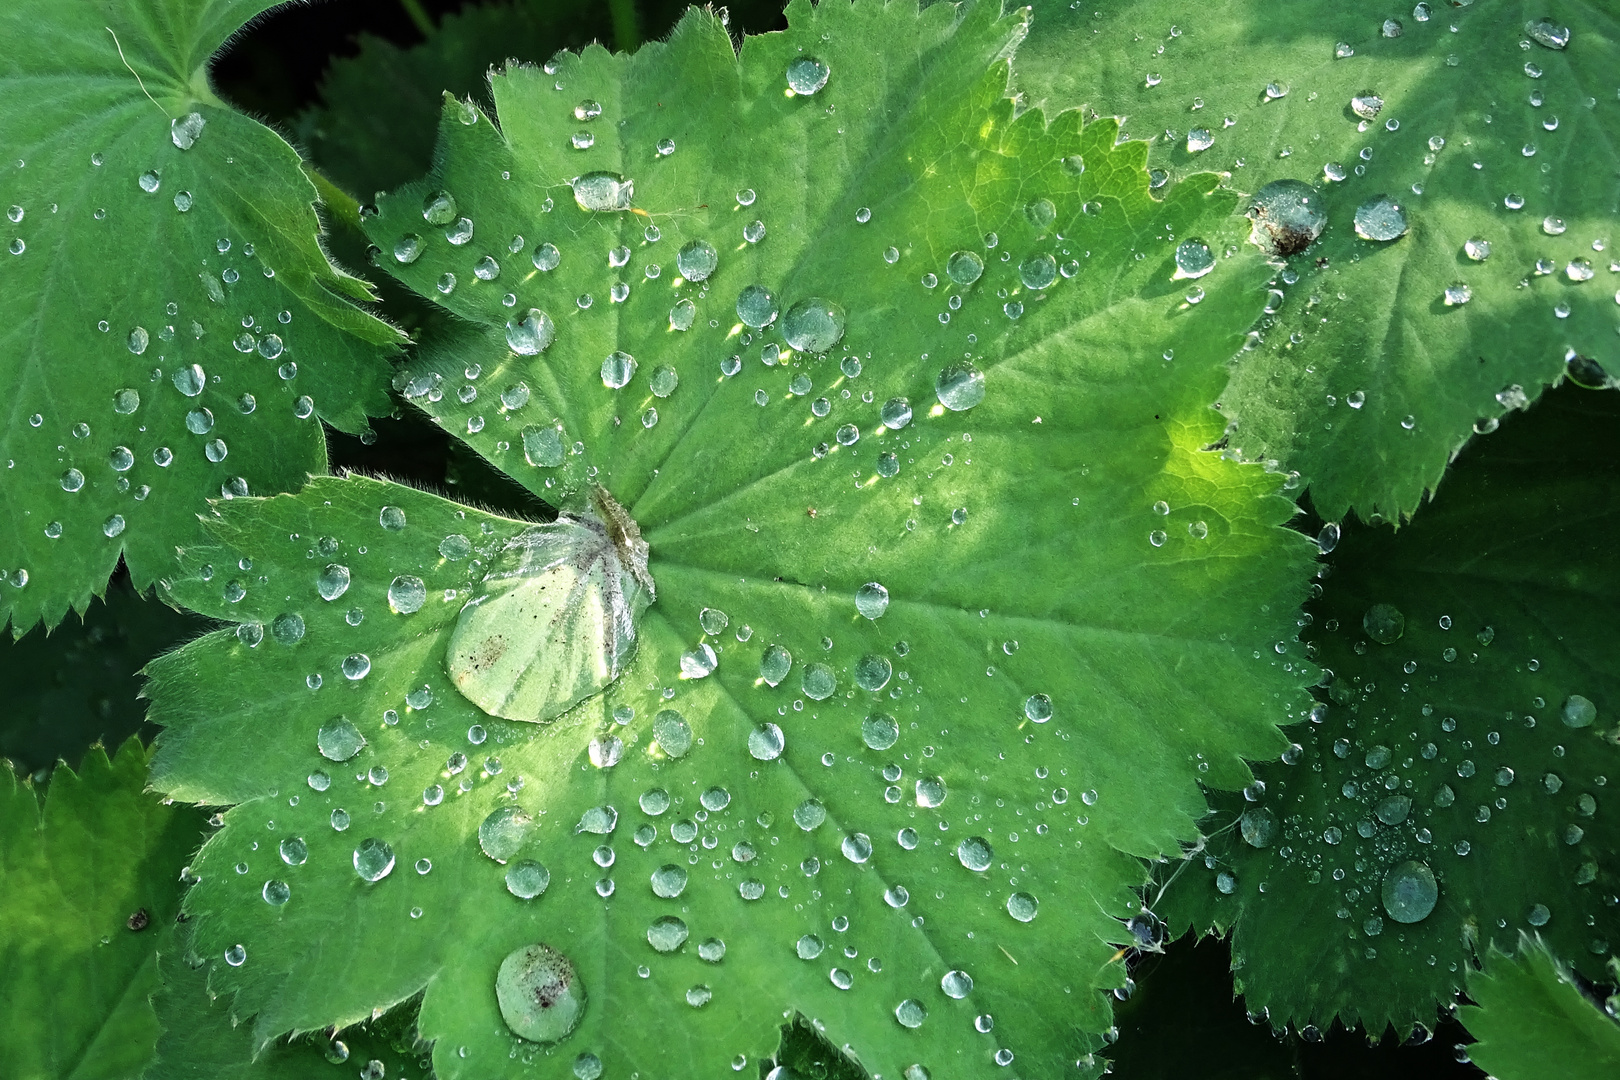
150, 361
1018, 541
1532, 1020
201, 1040
1365, 380
77, 867
1448, 746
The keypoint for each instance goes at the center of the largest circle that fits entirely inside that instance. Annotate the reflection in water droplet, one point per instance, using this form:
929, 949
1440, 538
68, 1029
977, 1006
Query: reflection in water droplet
975, 853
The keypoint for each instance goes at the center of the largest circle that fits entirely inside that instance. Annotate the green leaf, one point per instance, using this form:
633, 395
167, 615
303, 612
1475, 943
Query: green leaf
1018, 541
1504, 584
374, 127
805, 1051
91, 874
202, 1040
127, 311
76, 685
1365, 380
1532, 1020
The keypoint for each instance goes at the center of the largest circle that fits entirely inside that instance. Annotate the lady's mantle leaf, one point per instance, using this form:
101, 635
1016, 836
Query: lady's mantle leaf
1493, 126
910, 819
90, 881
1457, 785
1532, 1019
170, 329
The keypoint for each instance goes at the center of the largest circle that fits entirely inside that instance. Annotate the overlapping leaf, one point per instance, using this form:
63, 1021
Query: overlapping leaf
90, 879
1367, 380
172, 329
1019, 541
1532, 1019
1473, 753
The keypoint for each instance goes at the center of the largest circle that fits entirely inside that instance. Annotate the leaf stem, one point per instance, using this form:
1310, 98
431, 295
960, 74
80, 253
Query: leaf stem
625, 36
418, 15
343, 207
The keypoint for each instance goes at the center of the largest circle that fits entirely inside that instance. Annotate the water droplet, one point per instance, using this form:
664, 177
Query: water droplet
185, 131
1380, 218
1022, 906
975, 853
756, 306
540, 994
960, 386
1410, 891
373, 859
964, 267
406, 595
1258, 827
1199, 139
1287, 218
667, 933
531, 334
871, 600
527, 879
294, 852
503, 832
1193, 259
911, 1013
1384, 623
603, 191
812, 325
1038, 707
806, 75
338, 739
765, 742
1548, 33
1578, 712
931, 791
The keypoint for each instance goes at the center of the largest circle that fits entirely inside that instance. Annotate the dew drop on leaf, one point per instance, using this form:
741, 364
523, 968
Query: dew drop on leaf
540, 994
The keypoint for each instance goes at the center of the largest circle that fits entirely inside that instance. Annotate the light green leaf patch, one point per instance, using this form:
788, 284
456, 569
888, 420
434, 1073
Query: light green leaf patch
912, 820
1532, 1019
91, 878
173, 331
1382, 355
1456, 785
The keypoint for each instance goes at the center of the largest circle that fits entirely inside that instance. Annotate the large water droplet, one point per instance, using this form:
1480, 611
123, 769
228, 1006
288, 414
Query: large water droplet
527, 879
531, 334
672, 733
338, 739
1384, 623
1380, 218
669, 881
407, 594
667, 933
1022, 906
806, 75
1410, 891
765, 742
756, 306
1287, 217
975, 853
503, 832
813, 325
775, 665
603, 191
373, 859
540, 994
960, 386
1258, 826
696, 260
872, 600
1578, 712
964, 267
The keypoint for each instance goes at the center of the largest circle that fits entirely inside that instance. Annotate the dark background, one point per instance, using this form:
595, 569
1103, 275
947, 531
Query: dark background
80, 684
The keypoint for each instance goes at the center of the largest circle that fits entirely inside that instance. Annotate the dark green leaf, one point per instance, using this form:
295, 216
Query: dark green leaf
1450, 748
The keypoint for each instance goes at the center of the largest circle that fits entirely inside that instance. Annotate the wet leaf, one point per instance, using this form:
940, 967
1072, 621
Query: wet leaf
715, 839
1456, 787
1368, 376
1532, 1019
173, 330
91, 879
